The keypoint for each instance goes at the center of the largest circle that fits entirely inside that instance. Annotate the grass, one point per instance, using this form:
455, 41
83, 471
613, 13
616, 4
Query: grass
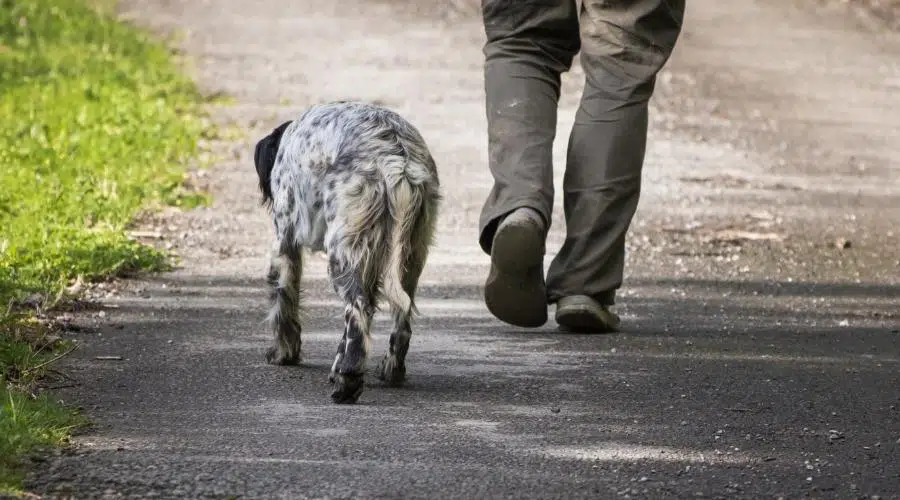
96, 124
29, 423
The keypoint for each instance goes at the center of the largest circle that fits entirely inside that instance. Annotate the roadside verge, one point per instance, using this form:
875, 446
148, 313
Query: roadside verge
98, 125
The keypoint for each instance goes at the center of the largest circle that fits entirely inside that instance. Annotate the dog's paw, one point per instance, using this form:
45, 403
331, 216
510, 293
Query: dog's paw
347, 387
275, 356
392, 372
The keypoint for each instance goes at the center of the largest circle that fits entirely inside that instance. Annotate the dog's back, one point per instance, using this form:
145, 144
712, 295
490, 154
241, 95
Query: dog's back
350, 137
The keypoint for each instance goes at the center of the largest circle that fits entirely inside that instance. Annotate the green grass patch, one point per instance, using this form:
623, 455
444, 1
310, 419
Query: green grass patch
30, 422
97, 122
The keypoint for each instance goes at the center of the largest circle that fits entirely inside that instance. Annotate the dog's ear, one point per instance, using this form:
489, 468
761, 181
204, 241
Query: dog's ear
279, 131
264, 158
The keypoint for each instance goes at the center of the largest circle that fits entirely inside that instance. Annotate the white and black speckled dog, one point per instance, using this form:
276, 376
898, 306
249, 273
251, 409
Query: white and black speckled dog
357, 181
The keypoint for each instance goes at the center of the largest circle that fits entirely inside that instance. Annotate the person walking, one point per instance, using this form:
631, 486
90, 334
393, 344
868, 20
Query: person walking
623, 45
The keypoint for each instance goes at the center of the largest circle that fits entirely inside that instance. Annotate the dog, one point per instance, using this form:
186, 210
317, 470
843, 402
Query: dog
356, 181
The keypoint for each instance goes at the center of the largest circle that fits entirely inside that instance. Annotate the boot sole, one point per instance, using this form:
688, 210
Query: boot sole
515, 291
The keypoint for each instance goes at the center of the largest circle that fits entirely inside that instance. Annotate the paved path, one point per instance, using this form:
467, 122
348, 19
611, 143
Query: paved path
748, 368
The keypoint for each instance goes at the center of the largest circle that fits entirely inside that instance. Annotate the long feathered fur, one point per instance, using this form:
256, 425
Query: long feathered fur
357, 181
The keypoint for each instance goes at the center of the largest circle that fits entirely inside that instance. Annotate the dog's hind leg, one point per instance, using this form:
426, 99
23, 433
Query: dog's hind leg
348, 370
283, 277
415, 248
393, 367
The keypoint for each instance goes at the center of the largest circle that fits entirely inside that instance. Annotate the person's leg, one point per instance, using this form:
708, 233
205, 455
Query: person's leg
624, 44
529, 43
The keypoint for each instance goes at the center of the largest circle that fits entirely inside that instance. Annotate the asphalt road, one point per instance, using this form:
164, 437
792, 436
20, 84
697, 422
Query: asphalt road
760, 352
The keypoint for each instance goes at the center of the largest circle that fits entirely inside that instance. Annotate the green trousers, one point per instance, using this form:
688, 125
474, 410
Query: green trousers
623, 45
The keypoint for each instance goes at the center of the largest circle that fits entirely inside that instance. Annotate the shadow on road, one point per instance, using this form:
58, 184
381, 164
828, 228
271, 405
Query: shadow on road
707, 391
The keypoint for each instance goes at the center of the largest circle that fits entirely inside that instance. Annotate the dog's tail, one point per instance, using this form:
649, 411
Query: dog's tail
405, 196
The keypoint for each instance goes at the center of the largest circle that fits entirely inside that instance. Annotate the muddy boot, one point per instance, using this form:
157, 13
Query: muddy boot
515, 291
580, 313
